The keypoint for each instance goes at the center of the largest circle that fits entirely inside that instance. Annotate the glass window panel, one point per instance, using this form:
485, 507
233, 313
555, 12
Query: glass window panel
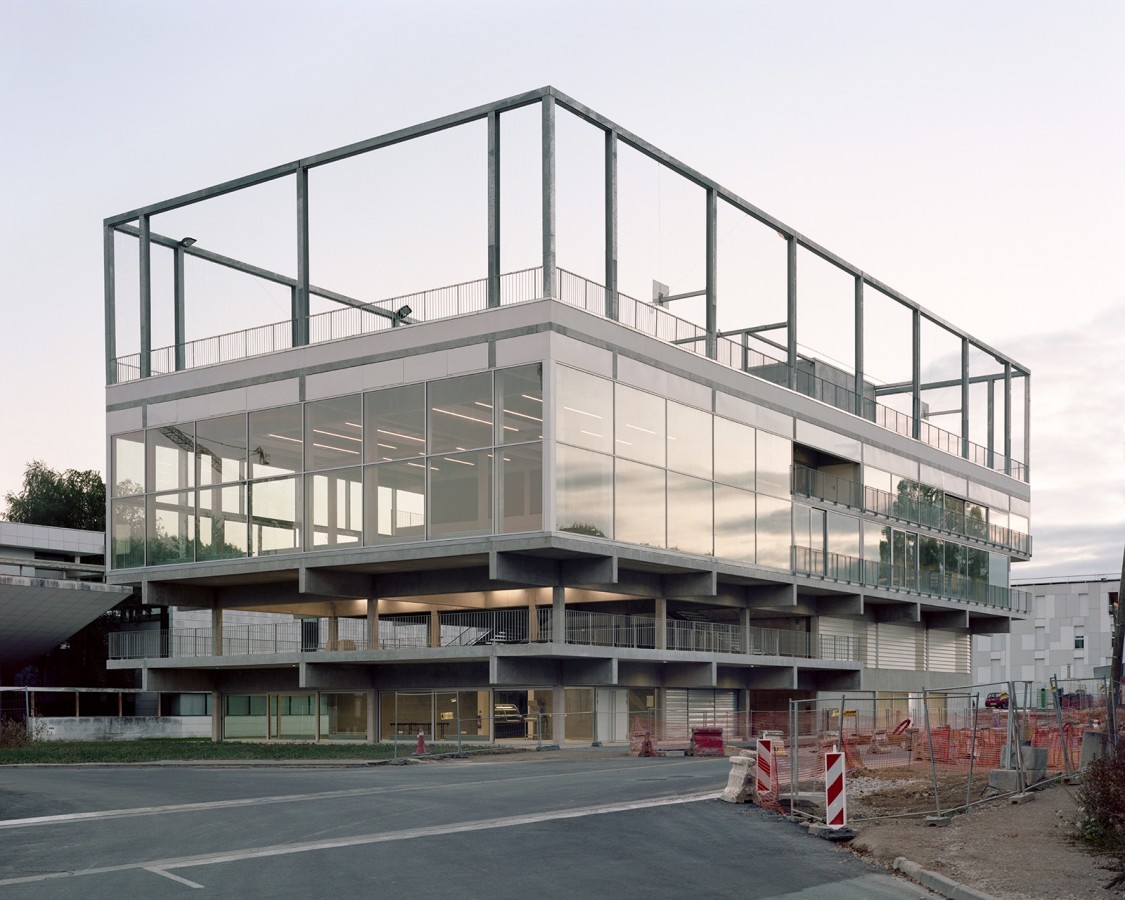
171, 457
689, 440
640, 428
244, 716
394, 423
343, 716
333, 433
584, 414
774, 531
519, 396
998, 569
128, 535
128, 464
775, 456
734, 453
222, 522
583, 492
976, 520
931, 556
734, 523
461, 413
808, 527
296, 717
876, 546
394, 498
639, 509
170, 528
877, 478
275, 441
334, 508
274, 523
521, 488
460, 496
220, 449
843, 535
690, 514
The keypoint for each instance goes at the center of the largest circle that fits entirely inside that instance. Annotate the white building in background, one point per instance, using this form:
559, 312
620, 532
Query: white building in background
1068, 635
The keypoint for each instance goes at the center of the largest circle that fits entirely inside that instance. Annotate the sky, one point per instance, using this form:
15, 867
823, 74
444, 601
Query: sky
967, 154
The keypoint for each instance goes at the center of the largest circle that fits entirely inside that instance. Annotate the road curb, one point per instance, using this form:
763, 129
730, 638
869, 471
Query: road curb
941, 884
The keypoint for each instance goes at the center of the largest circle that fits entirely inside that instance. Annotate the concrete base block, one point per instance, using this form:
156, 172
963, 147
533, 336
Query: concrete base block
1017, 799
1006, 780
937, 821
742, 780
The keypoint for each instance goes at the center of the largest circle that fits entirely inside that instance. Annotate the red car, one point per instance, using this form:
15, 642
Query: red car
996, 700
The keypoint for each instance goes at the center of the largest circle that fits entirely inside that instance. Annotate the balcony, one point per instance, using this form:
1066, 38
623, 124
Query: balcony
481, 629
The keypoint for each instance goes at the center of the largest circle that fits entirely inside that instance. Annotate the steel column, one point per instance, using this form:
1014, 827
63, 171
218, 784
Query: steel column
145, 250
1027, 429
1007, 418
711, 249
494, 209
550, 287
178, 305
965, 397
858, 326
301, 295
791, 308
916, 374
110, 293
991, 440
611, 309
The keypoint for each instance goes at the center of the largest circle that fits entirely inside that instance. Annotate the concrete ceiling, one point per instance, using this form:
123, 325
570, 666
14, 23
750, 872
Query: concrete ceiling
38, 614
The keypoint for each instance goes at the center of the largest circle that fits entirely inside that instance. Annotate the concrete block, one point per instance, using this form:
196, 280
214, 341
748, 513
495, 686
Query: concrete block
742, 782
1017, 799
1006, 780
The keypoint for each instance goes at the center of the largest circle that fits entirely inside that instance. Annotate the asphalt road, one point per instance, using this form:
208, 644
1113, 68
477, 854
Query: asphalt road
546, 825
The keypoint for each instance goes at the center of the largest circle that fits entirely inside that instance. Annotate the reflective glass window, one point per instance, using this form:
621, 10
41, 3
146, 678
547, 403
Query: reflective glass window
394, 497
519, 397
689, 440
877, 478
394, 423
774, 532
127, 537
640, 431
333, 433
639, 513
998, 567
843, 535
584, 413
170, 528
583, 492
734, 453
334, 508
171, 457
275, 526
976, 520
460, 413
343, 716
276, 441
690, 514
244, 716
775, 456
735, 514
460, 496
128, 464
222, 524
521, 488
954, 565
808, 527
931, 557
220, 450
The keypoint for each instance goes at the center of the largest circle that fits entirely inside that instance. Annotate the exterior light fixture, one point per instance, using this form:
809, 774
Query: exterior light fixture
400, 315
187, 241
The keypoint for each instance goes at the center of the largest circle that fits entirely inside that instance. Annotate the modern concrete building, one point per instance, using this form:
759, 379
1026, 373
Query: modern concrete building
1069, 634
530, 500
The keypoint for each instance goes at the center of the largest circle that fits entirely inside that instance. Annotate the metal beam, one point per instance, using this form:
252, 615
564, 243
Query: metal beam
550, 275
1007, 418
611, 308
493, 209
145, 268
178, 305
301, 313
857, 325
965, 398
905, 387
109, 286
791, 309
711, 250
916, 376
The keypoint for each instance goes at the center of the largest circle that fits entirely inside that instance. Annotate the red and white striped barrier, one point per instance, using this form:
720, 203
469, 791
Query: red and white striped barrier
835, 796
765, 766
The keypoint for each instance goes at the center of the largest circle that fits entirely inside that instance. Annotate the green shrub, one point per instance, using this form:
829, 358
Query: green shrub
1102, 797
14, 733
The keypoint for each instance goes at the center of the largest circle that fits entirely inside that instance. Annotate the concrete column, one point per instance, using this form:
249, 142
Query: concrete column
744, 624
217, 631
558, 706
435, 628
661, 623
372, 731
532, 623
611, 311
372, 623
217, 716
493, 209
333, 632
550, 285
558, 614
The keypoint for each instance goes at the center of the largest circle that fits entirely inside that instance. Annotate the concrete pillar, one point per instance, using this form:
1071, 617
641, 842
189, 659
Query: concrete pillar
216, 716
372, 623
333, 632
558, 614
435, 628
558, 720
217, 631
533, 623
744, 624
372, 731
661, 623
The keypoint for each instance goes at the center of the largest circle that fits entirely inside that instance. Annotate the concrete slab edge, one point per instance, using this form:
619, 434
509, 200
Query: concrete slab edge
941, 884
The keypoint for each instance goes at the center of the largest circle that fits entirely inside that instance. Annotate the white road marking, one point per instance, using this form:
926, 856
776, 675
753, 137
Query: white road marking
158, 871
100, 815
209, 859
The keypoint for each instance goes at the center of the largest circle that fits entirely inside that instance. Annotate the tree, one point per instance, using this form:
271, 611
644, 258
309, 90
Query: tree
69, 499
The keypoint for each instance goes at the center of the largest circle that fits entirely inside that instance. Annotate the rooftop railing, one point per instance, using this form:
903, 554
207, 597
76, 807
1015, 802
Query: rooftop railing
525, 285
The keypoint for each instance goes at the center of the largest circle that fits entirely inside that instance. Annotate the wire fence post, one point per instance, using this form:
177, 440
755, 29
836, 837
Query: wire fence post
1015, 736
1062, 731
974, 699
930, 739
794, 745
